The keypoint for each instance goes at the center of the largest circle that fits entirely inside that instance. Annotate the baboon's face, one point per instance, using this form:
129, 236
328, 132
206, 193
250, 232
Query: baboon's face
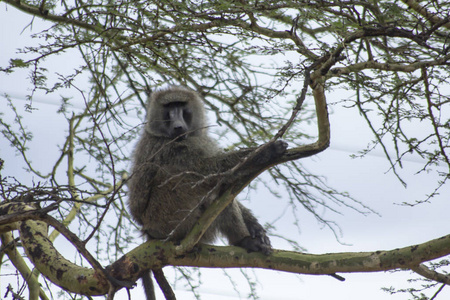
176, 113
177, 120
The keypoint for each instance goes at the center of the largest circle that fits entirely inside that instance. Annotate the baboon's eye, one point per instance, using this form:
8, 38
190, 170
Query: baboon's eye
187, 115
166, 117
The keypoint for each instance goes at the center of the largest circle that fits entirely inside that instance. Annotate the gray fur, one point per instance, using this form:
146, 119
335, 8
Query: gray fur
170, 163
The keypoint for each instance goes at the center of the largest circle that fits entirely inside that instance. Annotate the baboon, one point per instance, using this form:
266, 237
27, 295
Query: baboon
169, 178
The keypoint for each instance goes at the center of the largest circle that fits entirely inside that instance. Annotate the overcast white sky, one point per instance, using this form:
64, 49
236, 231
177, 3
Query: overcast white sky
366, 179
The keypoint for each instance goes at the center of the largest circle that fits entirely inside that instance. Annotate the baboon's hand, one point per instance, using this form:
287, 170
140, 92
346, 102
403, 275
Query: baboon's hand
279, 147
273, 151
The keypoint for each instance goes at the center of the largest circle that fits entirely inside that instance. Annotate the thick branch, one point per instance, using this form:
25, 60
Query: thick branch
40, 250
323, 124
56, 268
231, 184
8, 246
234, 257
157, 254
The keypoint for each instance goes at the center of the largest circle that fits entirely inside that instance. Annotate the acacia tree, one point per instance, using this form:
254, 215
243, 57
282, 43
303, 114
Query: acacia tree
392, 55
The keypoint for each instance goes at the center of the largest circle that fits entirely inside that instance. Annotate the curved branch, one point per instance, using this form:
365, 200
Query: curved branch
55, 267
157, 254
433, 18
408, 68
323, 124
231, 183
45, 257
36, 11
19, 263
404, 258
432, 275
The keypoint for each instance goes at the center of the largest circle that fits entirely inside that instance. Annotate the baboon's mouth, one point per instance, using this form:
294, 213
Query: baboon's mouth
180, 137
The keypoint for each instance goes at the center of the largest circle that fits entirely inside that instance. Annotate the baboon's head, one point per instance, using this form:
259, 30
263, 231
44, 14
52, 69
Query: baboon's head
176, 112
